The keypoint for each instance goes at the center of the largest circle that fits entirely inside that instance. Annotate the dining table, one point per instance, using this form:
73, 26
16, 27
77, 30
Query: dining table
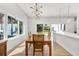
45, 42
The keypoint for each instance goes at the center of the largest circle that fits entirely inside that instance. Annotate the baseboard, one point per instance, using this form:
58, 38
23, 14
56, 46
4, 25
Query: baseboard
14, 48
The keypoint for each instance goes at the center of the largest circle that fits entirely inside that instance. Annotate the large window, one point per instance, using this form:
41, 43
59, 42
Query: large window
12, 27
20, 27
58, 27
1, 26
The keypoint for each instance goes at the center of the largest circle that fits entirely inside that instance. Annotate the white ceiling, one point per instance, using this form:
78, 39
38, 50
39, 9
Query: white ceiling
51, 9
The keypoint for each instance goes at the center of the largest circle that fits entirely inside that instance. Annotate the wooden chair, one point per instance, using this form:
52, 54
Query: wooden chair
38, 43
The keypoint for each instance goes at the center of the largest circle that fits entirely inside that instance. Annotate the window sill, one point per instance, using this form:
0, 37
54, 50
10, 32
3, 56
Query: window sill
15, 37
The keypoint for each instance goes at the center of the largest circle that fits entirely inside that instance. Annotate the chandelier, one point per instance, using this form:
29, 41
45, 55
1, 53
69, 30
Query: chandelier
36, 10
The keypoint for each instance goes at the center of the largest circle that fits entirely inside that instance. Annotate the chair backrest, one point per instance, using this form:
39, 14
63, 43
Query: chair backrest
38, 37
29, 35
38, 41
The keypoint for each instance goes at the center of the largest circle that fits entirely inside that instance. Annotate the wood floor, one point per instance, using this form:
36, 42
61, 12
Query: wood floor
58, 51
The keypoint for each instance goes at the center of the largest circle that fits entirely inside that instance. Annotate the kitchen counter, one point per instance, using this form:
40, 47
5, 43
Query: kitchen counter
69, 34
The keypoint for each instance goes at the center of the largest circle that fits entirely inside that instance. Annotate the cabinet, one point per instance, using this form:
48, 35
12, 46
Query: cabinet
3, 48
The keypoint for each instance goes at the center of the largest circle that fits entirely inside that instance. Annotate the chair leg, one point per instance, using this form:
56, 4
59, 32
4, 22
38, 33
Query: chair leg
42, 51
33, 50
33, 53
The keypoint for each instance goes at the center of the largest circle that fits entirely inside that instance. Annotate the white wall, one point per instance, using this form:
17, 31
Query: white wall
14, 11
49, 21
70, 25
78, 24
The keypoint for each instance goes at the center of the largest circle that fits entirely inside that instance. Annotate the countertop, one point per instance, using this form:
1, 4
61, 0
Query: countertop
69, 34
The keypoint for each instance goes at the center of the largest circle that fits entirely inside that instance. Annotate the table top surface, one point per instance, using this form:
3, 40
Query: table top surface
31, 38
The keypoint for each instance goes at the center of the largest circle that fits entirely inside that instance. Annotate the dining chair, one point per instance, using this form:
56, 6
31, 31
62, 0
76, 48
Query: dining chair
38, 43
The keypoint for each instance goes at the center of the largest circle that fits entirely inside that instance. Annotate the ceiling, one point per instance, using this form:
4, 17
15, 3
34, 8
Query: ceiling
52, 9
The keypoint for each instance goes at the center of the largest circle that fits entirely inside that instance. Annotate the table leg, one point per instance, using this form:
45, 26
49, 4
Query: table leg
50, 50
26, 49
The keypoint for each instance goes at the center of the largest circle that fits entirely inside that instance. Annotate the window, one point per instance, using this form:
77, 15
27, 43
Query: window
58, 27
1, 26
12, 27
20, 27
55, 27
62, 27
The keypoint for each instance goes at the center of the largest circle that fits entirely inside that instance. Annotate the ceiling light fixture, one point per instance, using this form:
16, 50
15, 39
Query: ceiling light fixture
36, 10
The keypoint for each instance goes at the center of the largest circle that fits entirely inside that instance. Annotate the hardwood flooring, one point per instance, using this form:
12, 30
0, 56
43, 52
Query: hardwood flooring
57, 51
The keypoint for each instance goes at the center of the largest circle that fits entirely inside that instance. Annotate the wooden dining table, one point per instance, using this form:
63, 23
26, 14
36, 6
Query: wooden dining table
45, 42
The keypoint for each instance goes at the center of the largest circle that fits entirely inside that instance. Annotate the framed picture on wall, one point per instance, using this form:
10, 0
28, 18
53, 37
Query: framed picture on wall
39, 27
46, 28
